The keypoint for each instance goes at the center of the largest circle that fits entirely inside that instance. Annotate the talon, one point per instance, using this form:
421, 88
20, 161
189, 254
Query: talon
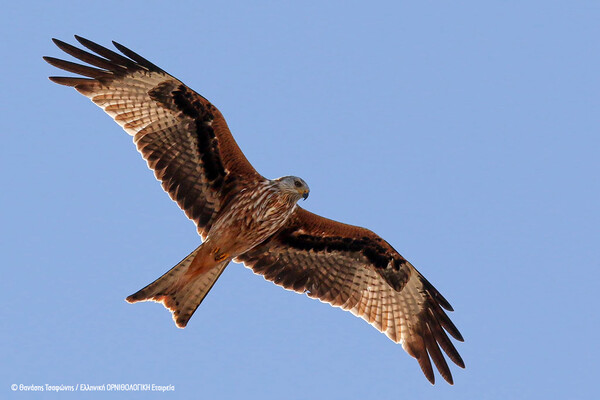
221, 257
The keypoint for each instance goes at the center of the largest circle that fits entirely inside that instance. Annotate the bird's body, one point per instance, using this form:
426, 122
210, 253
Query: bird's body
254, 214
245, 217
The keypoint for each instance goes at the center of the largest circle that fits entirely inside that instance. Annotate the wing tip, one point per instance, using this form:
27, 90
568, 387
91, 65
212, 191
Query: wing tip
425, 364
58, 42
81, 39
459, 336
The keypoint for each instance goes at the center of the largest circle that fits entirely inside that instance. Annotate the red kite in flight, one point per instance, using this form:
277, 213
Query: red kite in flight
245, 217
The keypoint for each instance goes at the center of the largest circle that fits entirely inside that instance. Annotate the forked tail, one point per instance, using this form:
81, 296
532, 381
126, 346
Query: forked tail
181, 293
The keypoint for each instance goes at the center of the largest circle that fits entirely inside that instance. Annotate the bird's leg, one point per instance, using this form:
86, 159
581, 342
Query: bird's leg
206, 258
219, 257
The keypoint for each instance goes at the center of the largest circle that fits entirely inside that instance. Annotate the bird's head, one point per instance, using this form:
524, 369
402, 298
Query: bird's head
293, 186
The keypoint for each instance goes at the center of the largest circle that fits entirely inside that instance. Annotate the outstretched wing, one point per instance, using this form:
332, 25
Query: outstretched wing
353, 268
182, 136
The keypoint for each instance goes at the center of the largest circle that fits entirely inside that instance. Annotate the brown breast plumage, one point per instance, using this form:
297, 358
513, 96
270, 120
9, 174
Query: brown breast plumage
257, 213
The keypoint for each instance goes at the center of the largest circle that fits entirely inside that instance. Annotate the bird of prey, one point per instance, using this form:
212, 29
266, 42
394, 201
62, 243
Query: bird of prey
244, 217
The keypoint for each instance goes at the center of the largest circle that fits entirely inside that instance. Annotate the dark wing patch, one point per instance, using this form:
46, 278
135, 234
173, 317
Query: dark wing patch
353, 268
182, 136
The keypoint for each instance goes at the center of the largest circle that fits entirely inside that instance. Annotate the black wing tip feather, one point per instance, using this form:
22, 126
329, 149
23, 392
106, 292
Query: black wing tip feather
428, 350
129, 57
108, 63
77, 68
436, 355
433, 339
137, 58
437, 302
67, 81
106, 53
431, 344
448, 325
435, 294
426, 367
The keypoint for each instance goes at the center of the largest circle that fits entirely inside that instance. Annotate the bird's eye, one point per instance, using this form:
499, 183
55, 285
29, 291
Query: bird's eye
297, 183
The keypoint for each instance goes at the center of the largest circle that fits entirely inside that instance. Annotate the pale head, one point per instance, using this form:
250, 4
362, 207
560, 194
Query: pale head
293, 186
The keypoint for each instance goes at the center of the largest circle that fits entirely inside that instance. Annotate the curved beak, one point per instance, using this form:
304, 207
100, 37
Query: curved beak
305, 194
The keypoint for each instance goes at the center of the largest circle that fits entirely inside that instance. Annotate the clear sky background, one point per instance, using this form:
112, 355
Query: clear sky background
464, 133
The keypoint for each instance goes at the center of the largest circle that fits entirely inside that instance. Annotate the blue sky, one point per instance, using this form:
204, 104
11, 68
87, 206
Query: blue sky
464, 133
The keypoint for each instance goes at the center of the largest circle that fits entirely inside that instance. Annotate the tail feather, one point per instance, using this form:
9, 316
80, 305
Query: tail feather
179, 292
